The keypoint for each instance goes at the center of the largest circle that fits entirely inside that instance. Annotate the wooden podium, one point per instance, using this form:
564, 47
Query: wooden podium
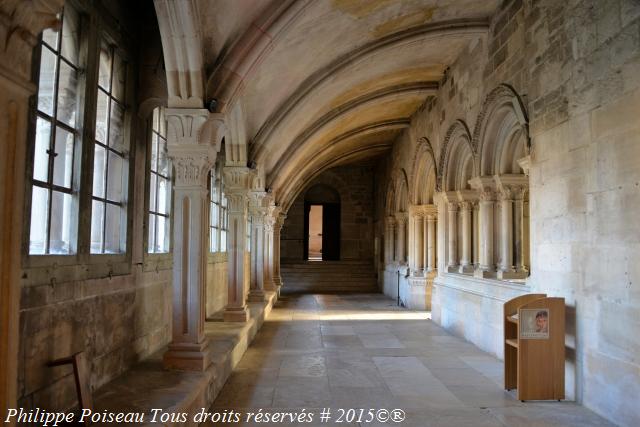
534, 347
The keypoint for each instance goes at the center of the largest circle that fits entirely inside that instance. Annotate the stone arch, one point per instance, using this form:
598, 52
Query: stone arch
423, 174
401, 192
457, 158
322, 193
501, 135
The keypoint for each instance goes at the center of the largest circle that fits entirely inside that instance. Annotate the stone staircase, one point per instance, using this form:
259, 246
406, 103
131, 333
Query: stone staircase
328, 277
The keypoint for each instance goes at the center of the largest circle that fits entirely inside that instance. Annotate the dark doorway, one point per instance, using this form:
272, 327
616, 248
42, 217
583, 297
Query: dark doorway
328, 249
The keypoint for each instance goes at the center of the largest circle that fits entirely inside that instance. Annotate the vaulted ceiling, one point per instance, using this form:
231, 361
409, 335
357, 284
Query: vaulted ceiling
324, 82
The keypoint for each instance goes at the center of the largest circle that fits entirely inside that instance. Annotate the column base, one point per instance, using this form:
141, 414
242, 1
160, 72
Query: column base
256, 295
419, 272
235, 314
452, 269
484, 274
188, 356
506, 275
466, 269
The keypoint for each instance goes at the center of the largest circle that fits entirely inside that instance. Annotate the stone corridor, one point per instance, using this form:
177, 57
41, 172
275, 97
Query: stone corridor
362, 351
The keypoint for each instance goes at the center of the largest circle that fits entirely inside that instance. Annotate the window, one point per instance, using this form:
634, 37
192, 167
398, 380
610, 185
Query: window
110, 162
54, 201
159, 187
218, 218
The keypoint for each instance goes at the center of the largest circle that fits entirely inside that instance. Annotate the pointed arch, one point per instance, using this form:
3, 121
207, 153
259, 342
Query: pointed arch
423, 173
457, 158
501, 134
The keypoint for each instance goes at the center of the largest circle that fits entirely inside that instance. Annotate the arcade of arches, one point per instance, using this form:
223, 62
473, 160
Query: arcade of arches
160, 157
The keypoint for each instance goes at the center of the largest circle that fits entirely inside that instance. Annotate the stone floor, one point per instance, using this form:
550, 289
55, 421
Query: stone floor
361, 351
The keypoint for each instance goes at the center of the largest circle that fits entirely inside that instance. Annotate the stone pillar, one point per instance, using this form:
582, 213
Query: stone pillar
401, 220
476, 235
192, 159
389, 240
487, 266
452, 219
20, 24
518, 218
506, 230
269, 261
256, 288
465, 261
236, 188
277, 229
418, 244
431, 243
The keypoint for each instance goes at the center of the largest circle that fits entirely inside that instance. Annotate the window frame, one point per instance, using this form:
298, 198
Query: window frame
95, 24
216, 180
147, 202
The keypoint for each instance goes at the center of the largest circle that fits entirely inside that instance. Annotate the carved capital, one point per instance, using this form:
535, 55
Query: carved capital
238, 178
487, 195
190, 170
391, 221
237, 201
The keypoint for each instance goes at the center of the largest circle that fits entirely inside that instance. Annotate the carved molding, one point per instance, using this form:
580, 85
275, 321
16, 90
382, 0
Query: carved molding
502, 94
458, 129
423, 151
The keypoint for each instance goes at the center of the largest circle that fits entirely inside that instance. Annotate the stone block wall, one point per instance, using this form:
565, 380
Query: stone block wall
217, 278
354, 183
576, 67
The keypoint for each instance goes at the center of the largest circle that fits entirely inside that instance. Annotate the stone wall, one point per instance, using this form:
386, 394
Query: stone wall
576, 66
217, 279
354, 183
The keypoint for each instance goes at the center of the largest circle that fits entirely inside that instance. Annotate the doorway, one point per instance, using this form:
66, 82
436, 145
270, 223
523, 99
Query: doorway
322, 231
315, 233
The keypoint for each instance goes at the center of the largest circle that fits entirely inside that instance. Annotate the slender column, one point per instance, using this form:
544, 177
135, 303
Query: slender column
418, 244
506, 229
189, 349
476, 234
236, 185
400, 242
425, 243
453, 235
465, 261
20, 24
431, 245
269, 261
389, 240
277, 229
256, 289
519, 229
486, 232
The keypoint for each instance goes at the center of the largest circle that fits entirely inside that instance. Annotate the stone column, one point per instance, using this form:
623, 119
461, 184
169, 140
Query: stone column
431, 243
389, 253
452, 219
401, 220
465, 261
476, 234
418, 244
192, 159
236, 188
506, 230
487, 266
20, 24
269, 250
277, 229
256, 288
518, 217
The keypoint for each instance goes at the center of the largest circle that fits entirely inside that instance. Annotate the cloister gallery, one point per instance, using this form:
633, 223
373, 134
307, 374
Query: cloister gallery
304, 205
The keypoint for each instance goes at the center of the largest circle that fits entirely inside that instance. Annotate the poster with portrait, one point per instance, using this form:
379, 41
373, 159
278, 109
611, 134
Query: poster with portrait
534, 323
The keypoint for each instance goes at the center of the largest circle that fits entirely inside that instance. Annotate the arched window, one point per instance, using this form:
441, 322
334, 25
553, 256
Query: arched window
159, 186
